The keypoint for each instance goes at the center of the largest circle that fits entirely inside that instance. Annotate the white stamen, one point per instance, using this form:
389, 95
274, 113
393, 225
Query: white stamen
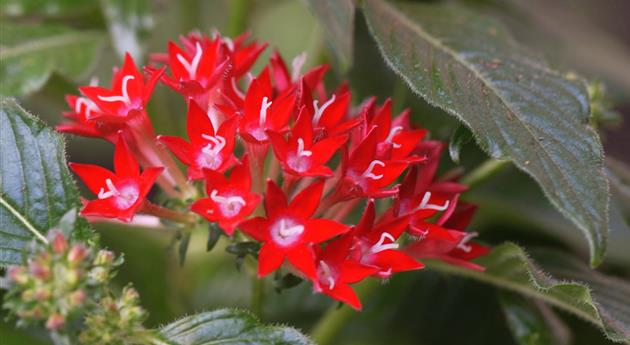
320, 111
102, 194
296, 66
89, 106
289, 231
380, 246
191, 67
369, 171
125, 95
236, 90
217, 144
392, 133
263, 111
227, 201
463, 243
424, 204
229, 43
301, 151
327, 274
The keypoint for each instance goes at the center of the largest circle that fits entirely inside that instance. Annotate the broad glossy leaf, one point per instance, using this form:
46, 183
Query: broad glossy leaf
459, 139
128, 22
36, 188
31, 53
532, 322
515, 105
602, 300
337, 19
229, 326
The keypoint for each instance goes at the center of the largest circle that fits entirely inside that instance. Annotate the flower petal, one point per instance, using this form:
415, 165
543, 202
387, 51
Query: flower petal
303, 258
125, 164
270, 258
92, 175
319, 230
307, 201
257, 228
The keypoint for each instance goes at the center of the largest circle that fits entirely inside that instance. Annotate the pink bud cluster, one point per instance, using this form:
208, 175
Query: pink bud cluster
282, 158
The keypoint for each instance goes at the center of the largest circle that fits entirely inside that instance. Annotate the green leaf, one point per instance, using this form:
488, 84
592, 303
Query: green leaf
532, 322
36, 188
605, 304
31, 53
129, 22
515, 105
51, 8
229, 326
460, 137
214, 234
337, 19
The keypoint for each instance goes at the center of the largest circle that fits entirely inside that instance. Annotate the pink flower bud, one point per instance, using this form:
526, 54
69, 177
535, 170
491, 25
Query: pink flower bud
77, 254
104, 257
55, 322
39, 271
59, 243
18, 275
77, 298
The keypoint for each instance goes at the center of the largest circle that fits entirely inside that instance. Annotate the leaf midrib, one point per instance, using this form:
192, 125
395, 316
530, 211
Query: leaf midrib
46, 43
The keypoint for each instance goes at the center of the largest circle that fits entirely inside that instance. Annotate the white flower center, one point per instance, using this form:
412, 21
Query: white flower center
320, 111
124, 196
286, 231
300, 162
424, 204
210, 156
191, 67
125, 93
230, 206
369, 172
325, 274
392, 134
463, 244
381, 246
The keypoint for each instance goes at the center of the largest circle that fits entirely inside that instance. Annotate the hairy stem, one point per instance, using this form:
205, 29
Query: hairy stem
258, 295
166, 213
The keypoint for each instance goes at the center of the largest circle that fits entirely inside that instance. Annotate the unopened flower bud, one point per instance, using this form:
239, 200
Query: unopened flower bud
18, 275
39, 270
104, 257
42, 293
77, 298
77, 254
130, 296
72, 277
99, 274
28, 295
55, 322
59, 243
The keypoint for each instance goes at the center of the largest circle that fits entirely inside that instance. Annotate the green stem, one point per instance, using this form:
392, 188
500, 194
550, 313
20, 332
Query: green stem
335, 317
258, 296
239, 13
483, 172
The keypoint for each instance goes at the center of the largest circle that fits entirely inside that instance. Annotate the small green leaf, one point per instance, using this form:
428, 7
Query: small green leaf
31, 53
460, 137
604, 301
229, 326
287, 281
515, 105
36, 189
532, 322
337, 19
214, 234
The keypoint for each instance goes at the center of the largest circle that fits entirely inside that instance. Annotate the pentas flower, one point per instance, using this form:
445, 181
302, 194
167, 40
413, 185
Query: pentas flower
285, 80
300, 155
207, 149
120, 194
335, 272
365, 175
288, 232
128, 96
263, 112
84, 120
375, 244
229, 201
328, 117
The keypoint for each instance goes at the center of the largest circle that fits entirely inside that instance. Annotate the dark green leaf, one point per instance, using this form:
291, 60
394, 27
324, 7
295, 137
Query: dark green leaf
606, 304
337, 19
214, 233
36, 188
287, 281
228, 326
532, 322
31, 53
461, 137
515, 105
128, 22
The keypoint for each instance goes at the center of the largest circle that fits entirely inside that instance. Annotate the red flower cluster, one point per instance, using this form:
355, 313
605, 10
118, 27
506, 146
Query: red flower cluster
282, 159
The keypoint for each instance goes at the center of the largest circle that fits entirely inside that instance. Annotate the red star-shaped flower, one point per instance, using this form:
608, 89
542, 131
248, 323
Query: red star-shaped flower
331, 116
129, 93
230, 200
208, 149
283, 80
288, 232
82, 110
301, 155
120, 194
335, 272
